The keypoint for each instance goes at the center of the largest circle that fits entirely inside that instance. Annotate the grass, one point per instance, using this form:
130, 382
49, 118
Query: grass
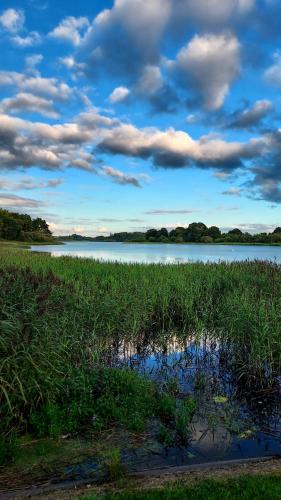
241, 488
59, 318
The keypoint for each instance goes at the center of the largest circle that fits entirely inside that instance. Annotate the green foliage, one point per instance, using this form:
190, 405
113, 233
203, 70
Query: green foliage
183, 416
15, 226
113, 463
125, 397
165, 435
196, 232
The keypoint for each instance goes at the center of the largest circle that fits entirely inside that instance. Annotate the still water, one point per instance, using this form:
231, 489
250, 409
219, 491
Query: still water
161, 253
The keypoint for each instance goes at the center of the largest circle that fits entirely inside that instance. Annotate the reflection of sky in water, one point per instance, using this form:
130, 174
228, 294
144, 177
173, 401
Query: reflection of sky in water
186, 361
161, 253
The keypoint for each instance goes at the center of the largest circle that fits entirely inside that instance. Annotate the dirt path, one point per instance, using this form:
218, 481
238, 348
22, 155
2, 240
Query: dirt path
157, 479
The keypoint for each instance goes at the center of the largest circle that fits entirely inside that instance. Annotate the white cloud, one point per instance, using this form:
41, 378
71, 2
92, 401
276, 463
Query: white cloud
175, 148
127, 37
122, 178
119, 94
25, 102
36, 85
213, 12
12, 20
33, 38
273, 73
70, 29
209, 63
32, 61
151, 80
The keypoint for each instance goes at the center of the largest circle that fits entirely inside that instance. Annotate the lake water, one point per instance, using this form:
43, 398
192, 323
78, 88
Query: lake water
161, 253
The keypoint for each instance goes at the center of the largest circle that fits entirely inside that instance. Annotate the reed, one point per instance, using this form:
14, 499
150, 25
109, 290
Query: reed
59, 315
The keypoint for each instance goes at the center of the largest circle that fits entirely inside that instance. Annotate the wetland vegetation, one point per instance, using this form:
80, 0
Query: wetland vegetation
90, 349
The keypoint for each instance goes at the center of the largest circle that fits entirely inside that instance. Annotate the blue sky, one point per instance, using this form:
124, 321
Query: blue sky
129, 114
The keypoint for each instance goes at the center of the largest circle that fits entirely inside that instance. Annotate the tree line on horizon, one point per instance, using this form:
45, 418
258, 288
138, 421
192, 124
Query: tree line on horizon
196, 232
21, 227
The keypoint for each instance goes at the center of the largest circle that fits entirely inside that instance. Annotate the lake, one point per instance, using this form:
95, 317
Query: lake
161, 253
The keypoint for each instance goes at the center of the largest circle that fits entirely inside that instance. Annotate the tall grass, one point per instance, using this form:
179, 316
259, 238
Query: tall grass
239, 301
58, 314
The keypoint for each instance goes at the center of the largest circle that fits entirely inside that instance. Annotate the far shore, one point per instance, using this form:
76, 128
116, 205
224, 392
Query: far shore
227, 243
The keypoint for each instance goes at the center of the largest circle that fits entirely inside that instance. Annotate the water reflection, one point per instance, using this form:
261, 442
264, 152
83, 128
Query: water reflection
229, 423
161, 253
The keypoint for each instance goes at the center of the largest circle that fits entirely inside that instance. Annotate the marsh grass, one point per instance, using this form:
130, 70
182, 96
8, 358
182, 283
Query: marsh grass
59, 315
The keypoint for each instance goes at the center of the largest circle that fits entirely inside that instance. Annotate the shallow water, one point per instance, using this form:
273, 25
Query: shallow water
231, 422
228, 424
162, 253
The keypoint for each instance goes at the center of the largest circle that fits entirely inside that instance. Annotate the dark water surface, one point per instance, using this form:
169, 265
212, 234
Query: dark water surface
162, 253
234, 419
231, 422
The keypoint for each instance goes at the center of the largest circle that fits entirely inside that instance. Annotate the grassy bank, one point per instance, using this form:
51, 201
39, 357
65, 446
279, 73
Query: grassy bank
60, 315
241, 488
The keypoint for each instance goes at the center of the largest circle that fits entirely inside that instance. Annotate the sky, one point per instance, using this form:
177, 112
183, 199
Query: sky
130, 114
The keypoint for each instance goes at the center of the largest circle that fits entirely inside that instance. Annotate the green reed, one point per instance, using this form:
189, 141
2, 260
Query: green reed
58, 314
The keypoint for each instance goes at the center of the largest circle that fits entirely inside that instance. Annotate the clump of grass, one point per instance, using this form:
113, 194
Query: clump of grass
112, 461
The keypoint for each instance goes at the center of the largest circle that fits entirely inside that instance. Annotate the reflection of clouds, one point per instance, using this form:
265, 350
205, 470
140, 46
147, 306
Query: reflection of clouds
160, 253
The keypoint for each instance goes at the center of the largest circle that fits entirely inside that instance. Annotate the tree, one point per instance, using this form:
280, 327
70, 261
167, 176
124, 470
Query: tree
195, 231
163, 232
40, 225
15, 226
151, 233
277, 230
235, 231
214, 232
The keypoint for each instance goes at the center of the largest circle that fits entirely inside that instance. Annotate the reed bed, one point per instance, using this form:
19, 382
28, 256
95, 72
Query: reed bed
57, 315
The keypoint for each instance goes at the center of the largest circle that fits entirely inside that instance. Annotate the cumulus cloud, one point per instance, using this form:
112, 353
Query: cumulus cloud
209, 64
33, 38
119, 94
36, 85
24, 102
151, 80
25, 144
31, 62
126, 36
122, 178
250, 116
212, 13
12, 20
273, 73
71, 30
176, 149
126, 41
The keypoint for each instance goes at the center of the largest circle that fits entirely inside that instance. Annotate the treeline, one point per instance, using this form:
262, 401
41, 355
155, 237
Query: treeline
21, 227
196, 232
